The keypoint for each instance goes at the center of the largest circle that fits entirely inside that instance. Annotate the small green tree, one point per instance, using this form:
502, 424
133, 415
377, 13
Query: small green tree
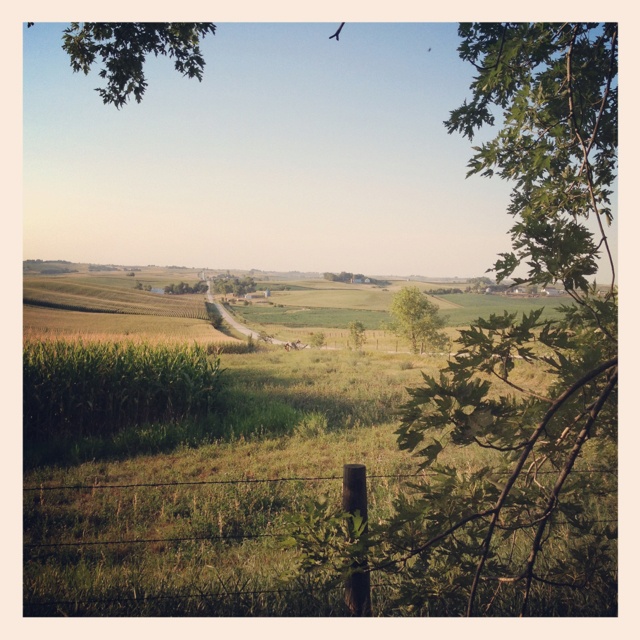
416, 319
357, 336
318, 340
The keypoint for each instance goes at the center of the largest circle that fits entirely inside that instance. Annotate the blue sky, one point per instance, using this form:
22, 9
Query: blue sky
295, 152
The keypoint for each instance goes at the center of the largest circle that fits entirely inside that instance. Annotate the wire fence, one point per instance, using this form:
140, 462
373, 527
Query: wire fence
243, 481
33, 551
256, 481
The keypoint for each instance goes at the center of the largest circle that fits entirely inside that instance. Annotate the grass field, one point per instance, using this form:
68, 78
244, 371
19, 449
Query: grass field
101, 298
470, 307
200, 503
39, 321
287, 415
286, 321
191, 522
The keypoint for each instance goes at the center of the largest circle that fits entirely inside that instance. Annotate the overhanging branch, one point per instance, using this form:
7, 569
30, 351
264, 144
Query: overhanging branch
555, 407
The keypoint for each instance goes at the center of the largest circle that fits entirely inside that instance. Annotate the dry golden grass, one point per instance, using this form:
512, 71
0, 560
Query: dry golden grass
376, 340
40, 322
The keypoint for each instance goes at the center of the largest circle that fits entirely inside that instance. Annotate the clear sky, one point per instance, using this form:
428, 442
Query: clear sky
295, 152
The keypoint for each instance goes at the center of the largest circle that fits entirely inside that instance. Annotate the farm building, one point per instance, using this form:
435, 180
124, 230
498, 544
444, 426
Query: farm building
553, 291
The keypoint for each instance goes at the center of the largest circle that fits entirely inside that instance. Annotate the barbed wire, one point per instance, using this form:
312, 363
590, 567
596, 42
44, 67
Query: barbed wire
34, 556
93, 543
89, 543
180, 483
261, 480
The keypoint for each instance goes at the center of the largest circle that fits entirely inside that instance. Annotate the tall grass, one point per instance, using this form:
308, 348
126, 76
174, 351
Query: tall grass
80, 388
215, 549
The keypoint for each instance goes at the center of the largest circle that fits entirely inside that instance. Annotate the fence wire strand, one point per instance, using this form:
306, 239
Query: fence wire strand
256, 481
28, 547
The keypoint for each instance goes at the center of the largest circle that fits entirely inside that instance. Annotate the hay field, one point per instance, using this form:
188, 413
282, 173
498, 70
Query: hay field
338, 295
107, 306
42, 322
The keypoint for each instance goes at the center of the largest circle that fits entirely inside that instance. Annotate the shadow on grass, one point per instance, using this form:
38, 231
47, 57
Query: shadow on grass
253, 404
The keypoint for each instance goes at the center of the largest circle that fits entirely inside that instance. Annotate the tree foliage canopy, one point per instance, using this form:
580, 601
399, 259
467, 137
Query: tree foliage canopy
122, 48
555, 86
416, 319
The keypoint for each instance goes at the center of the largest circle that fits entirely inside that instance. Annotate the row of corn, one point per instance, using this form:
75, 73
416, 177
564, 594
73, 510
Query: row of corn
78, 387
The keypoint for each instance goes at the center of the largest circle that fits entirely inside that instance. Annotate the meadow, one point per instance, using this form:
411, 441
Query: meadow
311, 307
187, 513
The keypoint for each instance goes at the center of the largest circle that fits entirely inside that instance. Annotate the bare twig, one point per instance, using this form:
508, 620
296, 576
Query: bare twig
336, 35
566, 470
586, 148
553, 409
527, 392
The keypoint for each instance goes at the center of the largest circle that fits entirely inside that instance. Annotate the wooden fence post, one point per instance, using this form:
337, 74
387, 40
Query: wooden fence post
354, 498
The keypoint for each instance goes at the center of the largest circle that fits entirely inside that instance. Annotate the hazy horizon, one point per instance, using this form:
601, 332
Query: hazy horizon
231, 269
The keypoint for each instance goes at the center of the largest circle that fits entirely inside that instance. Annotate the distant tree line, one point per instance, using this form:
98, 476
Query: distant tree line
183, 287
345, 276
102, 267
444, 291
226, 284
38, 261
28, 265
56, 271
479, 284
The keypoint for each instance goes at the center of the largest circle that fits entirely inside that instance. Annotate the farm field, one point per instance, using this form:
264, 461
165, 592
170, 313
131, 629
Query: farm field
455, 307
109, 305
331, 307
185, 519
189, 516
459, 311
42, 321
105, 298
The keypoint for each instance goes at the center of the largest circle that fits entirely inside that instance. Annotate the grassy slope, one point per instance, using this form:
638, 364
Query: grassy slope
297, 414
286, 415
141, 314
292, 415
44, 321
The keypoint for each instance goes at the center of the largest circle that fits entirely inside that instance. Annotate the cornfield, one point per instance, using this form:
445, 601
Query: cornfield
82, 388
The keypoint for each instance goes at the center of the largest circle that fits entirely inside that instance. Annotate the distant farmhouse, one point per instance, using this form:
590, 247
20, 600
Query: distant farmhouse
496, 288
553, 291
531, 291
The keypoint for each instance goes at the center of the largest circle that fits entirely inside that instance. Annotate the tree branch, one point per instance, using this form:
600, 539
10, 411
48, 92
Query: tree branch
336, 35
555, 407
527, 392
586, 149
566, 470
